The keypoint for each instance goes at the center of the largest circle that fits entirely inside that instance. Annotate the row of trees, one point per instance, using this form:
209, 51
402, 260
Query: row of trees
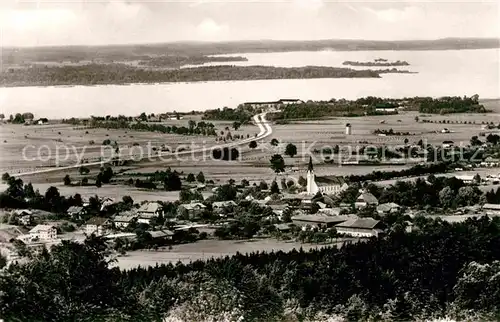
241, 114
417, 170
439, 269
446, 105
193, 128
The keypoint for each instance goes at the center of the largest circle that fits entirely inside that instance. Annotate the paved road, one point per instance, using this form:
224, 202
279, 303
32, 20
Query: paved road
259, 120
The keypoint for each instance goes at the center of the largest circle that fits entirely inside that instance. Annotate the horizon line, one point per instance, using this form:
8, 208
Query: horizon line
208, 42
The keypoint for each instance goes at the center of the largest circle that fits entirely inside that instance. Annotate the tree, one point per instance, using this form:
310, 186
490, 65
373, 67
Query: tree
190, 178
291, 150
493, 139
18, 119
263, 185
186, 196
274, 187
302, 181
236, 125
5, 176
83, 170
200, 177
98, 181
106, 174
252, 144
67, 180
226, 192
127, 200
277, 163
88, 293
275, 142
474, 141
446, 197
172, 182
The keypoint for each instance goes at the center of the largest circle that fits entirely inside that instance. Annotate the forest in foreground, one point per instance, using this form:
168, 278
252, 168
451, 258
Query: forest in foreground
434, 269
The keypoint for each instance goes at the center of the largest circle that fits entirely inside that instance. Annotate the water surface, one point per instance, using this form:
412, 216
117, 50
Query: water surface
440, 73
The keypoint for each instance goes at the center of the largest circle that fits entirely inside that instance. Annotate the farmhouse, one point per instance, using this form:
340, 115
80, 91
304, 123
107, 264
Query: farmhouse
365, 199
161, 234
287, 101
43, 233
388, 208
42, 121
76, 211
360, 227
148, 211
124, 219
274, 104
219, 206
97, 226
468, 179
193, 209
106, 202
319, 220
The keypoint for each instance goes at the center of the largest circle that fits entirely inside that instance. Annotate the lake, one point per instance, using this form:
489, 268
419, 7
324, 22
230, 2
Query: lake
440, 73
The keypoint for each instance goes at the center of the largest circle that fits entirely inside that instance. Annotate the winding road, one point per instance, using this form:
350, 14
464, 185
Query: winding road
259, 120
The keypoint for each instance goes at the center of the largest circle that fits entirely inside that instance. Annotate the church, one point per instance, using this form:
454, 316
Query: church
324, 185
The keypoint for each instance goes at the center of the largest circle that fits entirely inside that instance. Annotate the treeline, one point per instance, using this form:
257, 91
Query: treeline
193, 128
417, 170
174, 61
447, 105
94, 74
369, 105
442, 192
170, 179
311, 109
242, 114
428, 273
21, 196
376, 63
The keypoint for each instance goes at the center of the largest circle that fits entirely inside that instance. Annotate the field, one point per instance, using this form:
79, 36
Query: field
254, 163
207, 249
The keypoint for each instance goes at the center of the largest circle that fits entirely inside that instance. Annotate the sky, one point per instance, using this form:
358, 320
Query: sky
100, 22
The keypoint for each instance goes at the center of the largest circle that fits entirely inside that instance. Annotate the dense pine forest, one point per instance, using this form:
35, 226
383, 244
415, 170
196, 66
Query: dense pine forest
428, 269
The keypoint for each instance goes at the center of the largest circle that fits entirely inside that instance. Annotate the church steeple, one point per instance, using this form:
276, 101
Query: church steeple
310, 166
312, 187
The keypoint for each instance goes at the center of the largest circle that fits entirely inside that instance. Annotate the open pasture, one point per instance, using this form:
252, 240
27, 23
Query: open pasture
206, 249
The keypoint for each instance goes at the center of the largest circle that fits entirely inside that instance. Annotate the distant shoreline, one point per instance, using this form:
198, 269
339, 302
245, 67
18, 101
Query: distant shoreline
120, 74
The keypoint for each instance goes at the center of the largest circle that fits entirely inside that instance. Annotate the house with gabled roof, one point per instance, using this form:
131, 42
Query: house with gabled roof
361, 227
366, 199
148, 211
43, 233
193, 209
98, 226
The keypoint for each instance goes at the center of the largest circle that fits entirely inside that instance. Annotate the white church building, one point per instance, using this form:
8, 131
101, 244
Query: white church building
329, 186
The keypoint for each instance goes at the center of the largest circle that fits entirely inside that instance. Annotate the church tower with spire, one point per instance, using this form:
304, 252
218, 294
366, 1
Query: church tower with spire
312, 187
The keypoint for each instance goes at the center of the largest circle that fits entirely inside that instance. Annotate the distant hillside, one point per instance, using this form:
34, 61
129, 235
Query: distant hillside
117, 53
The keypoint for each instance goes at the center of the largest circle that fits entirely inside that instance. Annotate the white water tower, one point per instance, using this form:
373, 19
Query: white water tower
348, 129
